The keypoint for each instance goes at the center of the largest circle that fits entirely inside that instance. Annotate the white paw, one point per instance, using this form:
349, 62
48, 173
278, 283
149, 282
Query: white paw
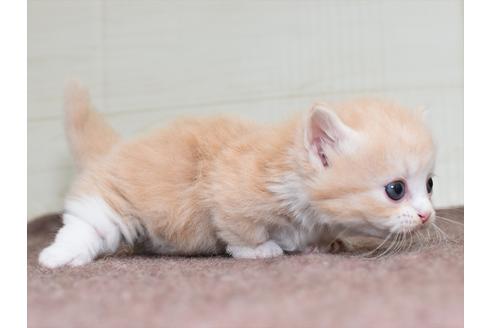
266, 250
55, 256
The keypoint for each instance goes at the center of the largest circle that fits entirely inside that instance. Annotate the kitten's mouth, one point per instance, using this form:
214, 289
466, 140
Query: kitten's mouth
413, 228
381, 230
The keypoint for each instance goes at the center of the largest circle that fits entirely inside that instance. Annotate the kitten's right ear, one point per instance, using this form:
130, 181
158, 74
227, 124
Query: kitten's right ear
325, 135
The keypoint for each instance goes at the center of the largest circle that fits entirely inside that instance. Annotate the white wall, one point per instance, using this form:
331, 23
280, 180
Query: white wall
147, 62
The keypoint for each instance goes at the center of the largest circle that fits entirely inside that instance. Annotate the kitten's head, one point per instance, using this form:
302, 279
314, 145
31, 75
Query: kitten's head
371, 166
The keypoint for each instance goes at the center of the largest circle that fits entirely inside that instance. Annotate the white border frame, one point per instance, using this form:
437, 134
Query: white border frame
13, 138
478, 165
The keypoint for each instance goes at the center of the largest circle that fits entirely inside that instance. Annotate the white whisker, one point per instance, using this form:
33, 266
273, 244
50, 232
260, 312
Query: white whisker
448, 220
378, 247
443, 234
401, 243
389, 248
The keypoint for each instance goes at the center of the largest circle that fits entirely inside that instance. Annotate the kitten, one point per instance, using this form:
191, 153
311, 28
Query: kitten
220, 185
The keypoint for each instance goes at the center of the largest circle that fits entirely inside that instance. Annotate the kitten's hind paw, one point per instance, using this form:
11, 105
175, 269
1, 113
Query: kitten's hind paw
266, 250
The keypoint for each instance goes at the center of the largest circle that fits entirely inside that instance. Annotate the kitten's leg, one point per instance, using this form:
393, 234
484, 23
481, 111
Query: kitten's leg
91, 228
265, 250
335, 246
246, 238
331, 240
340, 245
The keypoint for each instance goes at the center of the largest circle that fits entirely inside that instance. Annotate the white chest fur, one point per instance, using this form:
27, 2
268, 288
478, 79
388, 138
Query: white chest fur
294, 237
304, 228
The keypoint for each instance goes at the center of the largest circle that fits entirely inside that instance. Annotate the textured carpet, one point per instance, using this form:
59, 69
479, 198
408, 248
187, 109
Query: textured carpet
411, 289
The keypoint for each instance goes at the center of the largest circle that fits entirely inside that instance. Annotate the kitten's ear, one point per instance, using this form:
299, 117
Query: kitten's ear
326, 135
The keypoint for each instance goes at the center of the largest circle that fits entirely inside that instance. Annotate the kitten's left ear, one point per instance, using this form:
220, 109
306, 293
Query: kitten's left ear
326, 135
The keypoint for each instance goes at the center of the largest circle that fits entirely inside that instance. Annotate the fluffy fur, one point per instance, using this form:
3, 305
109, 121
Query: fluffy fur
209, 186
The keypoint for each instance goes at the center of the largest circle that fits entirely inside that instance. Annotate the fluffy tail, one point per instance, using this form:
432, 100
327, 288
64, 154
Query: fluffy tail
89, 135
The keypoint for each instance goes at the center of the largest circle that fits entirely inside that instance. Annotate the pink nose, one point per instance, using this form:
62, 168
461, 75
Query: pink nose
424, 216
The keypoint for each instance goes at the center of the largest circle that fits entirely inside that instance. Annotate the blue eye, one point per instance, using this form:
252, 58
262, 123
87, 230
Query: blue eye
395, 190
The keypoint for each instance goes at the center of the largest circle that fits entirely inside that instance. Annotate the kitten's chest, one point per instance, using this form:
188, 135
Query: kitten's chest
294, 237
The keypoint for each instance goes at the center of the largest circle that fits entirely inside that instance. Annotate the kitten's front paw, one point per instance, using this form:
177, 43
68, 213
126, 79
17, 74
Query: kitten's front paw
339, 246
55, 256
266, 250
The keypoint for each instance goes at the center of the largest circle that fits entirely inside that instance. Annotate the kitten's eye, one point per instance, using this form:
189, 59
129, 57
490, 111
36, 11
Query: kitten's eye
430, 184
395, 190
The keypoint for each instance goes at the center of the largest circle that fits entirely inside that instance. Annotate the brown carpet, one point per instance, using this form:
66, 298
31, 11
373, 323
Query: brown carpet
413, 289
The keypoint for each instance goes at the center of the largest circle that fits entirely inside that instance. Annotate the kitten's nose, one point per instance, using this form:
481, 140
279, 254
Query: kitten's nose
424, 216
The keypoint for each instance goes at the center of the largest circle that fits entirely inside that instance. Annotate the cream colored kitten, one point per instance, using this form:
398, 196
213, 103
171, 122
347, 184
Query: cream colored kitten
210, 186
